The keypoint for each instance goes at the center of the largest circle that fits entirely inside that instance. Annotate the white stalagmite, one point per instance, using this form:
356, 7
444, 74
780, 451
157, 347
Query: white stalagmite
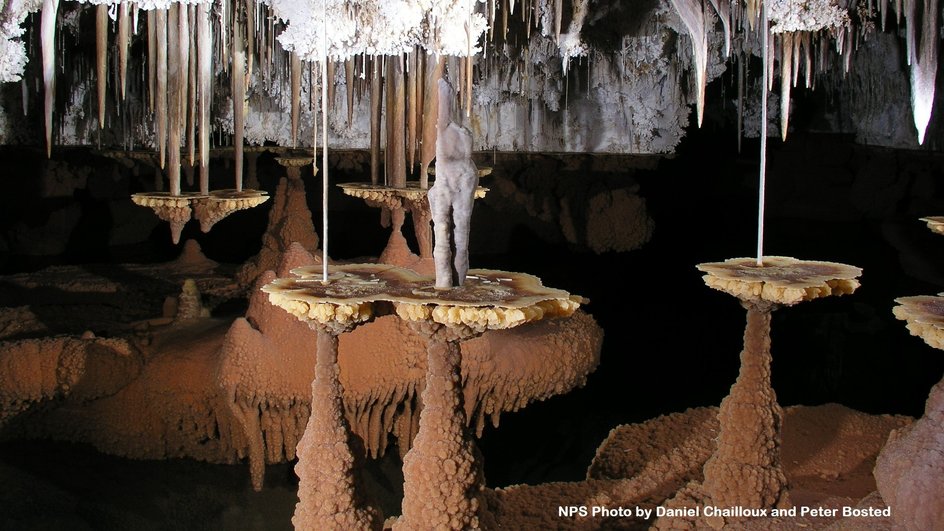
124, 40
239, 98
160, 21
923, 60
47, 30
101, 58
205, 55
452, 196
296, 94
693, 16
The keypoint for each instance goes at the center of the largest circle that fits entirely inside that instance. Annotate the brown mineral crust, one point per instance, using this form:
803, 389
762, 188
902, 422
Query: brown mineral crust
289, 222
746, 469
192, 259
19, 321
781, 279
828, 453
924, 316
327, 499
633, 450
34, 371
442, 480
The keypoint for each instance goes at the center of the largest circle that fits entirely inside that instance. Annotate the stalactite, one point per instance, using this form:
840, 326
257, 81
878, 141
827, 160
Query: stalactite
205, 59
693, 16
558, 15
160, 21
250, 35
152, 57
239, 98
124, 40
797, 38
396, 148
174, 69
923, 60
183, 66
331, 66
349, 88
192, 88
723, 8
101, 55
376, 103
296, 80
48, 34
786, 67
411, 109
434, 69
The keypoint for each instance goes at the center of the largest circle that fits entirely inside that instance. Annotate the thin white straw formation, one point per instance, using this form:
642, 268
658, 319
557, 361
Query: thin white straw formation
763, 136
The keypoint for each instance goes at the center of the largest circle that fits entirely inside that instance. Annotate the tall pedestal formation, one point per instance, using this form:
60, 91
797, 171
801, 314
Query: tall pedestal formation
443, 481
325, 469
746, 468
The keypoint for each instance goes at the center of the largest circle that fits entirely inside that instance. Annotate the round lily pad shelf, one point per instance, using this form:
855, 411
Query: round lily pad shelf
408, 197
935, 223
207, 209
924, 317
780, 280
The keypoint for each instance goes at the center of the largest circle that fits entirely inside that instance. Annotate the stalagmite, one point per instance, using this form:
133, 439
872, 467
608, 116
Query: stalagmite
376, 104
434, 69
693, 16
296, 81
396, 144
205, 52
786, 80
160, 21
48, 35
124, 41
239, 99
452, 196
101, 62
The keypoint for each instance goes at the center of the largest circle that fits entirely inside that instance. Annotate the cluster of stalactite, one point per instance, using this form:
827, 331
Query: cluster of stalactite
180, 77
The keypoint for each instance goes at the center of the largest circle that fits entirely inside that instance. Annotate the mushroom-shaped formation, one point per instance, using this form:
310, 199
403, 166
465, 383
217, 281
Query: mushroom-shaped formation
327, 499
746, 469
909, 472
174, 209
412, 198
935, 223
443, 482
208, 210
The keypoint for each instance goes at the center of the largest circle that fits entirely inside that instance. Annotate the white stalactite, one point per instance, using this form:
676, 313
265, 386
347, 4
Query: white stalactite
101, 58
205, 60
48, 35
124, 40
692, 14
922, 57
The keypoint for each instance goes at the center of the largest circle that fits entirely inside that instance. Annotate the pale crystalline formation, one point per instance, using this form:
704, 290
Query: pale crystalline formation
452, 196
935, 224
221, 203
807, 15
781, 279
